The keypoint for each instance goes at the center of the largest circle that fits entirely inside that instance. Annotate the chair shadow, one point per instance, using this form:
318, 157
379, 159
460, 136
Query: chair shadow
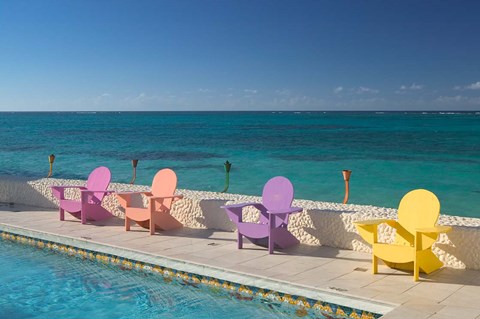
213, 216
319, 252
111, 221
211, 234
37, 197
447, 275
20, 208
338, 233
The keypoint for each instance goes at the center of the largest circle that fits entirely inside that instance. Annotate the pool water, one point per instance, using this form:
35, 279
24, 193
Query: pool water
36, 283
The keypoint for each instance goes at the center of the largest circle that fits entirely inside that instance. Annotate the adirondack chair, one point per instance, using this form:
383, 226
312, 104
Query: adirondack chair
160, 200
89, 207
275, 209
418, 213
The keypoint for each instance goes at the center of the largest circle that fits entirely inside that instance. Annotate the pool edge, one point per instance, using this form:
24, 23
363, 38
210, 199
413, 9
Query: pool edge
221, 274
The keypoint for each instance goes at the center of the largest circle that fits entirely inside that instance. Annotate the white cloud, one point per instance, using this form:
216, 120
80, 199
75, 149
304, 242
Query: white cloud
250, 91
338, 89
303, 102
142, 96
282, 92
473, 86
474, 101
450, 99
412, 87
101, 99
461, 101
363, 89
360, 103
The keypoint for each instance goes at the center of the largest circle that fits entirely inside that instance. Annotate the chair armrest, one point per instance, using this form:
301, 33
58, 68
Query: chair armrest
434, 229
368, 229
59, 191
124, 193
65, 187
106, 191
174, 197
124, 198
373, 222
240, 205
134, 193
235, 211
290, 210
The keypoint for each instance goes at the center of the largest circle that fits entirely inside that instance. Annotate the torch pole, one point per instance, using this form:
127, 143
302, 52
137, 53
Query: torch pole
51, 159
134, 165
346, 178
228, 166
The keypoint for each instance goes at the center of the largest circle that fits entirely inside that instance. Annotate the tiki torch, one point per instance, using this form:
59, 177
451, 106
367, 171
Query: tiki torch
346, 178
51, 159
134, 165
228, 166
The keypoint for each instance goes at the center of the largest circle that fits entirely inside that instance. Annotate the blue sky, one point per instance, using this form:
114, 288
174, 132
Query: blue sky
239, 55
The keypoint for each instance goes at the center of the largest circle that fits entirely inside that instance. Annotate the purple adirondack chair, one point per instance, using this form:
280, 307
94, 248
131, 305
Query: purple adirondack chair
90, 205
277, 200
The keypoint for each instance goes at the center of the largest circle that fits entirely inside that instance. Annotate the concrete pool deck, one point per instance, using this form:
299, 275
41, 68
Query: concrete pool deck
341, 274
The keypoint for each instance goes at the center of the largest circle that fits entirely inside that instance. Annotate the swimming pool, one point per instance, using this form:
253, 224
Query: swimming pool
37, 284
63, 281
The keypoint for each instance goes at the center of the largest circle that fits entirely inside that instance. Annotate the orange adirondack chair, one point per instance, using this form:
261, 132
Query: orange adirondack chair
160, 200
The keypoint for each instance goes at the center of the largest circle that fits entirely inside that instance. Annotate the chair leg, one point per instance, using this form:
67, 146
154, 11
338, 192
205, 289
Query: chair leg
416, 264
83, 212
62, 214
271, 230
152, 226
271, 244
416, 268
127, 223
374, 258
240, 240
83, 215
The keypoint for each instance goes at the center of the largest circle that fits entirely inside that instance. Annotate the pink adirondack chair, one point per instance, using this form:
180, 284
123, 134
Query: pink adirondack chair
89, 207
277, 200
160, 200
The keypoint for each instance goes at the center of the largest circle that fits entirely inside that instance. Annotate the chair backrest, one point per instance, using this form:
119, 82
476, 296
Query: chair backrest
164, 184
419, 208
277, 194
99, 179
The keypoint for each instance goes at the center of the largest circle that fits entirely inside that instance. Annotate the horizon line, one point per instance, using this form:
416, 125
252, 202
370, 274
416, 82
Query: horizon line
247, 111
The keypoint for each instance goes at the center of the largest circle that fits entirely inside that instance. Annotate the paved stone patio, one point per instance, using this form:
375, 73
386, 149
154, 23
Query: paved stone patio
445, 294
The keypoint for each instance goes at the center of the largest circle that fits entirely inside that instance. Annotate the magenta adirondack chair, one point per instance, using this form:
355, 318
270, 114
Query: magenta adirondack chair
275, 209
160, 201
89, 207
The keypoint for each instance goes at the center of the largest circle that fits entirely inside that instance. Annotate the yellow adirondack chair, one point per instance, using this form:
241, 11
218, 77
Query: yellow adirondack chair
416, 232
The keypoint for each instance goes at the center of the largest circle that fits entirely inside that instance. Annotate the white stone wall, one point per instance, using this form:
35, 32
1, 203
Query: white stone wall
320, 223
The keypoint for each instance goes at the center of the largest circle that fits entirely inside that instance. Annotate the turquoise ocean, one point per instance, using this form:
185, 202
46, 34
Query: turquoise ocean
389, 153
